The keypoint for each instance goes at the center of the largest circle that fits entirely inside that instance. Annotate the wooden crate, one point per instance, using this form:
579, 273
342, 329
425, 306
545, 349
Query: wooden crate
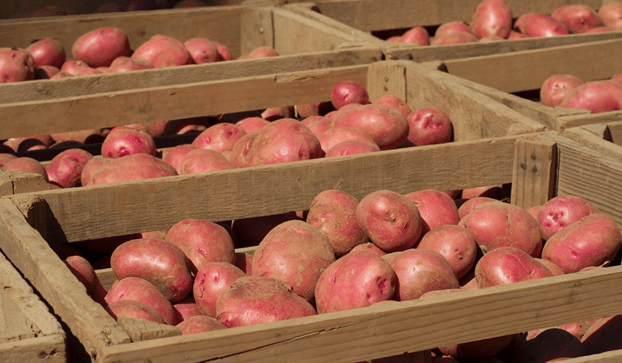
393, 17
163, 94
508, 78
538, 166
29, 331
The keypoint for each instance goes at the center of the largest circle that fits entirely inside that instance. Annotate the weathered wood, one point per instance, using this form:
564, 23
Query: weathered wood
24, 182
386, 78
13, 324
565, 122
594, 142
141, 330
137, 206
395, 328
257, 29
32, 255
50, 348
527, 70
614, 132
533, 182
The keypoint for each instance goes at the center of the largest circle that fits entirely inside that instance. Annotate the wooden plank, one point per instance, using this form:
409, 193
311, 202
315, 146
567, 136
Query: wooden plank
257, 29
49, 348
33, 256
13, 324
392, 14
533, 182
117, 82
594, 142
586, 173
27, 182
506, 72
614, 130
174, 102
410, 326
448, 52
6, 184
565, 122
216, 23
123, 208
469, 111
386, 78
141, 330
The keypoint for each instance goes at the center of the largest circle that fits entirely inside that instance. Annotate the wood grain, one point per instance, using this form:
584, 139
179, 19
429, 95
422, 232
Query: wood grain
533, 182
141, 330
124, 208
51, 348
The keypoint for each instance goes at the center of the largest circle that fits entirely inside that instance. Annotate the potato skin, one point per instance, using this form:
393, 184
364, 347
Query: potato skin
99, 47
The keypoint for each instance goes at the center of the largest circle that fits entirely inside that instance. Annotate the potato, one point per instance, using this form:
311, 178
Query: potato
160, 262
317, 124
202, 241
454, 38
395, 102
390, 220
387, 126
250, 231
435, 209
368, 246
603, 335
352, 147
219, 137
453, 26
416, 35
419, 271
492, 17
84, 272
26, 164
562, 211
429, 126
356, 280
250, 124
224, 54
202, 50
456, 244
595, 96
99, 47
611, 13
203, 160
126, 64
470, 204
337, 134
348, 92
540, 25
134, 309
506, 265
186, 308
212, 279
199, 324
47, 51
578, 18
137, 289
122, 141
131, 167
163, 51
556, 87
253, 300
593, 240
65, 169
16, 65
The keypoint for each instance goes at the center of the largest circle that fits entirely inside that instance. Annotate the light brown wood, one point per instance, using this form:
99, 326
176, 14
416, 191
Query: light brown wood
137, 206
507, 72
6, 184
594, 142
257, 29
388, 329
565, 122
32, 255
51, 348
386, 78
614, 132
27, 182
13, 324
141, 330
533, 182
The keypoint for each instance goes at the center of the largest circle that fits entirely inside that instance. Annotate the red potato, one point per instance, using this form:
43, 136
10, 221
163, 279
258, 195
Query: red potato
99, 47
175, 155
84, 272
26, 164
594, 240
456, 244
356, 280
496, 225
250, 124
281, 141
65, 169
186, 308
454, 26
47, 51
21, 144
390, 220
250, 231
317, 124
333, 213
90, 169
261, 52
454, 38
202, 50
203, 160
163, 51
295, 253
127, 64
352, 147
219, 137
202, 241
4, 157
540, 25
160, 262
199, 324
394, 39
595, 96
604, 335
188, 125
73, 67
348, 92
16, 65
611, 13
153, 128
578, 18
468, 206
562, 211
506, 265
368, 246
428, 126
416, 35
435, 209
517, 35
123, 141
556, 87
277, 113
337, 134
134, 309
210, 280
224, 54
599, 29
492, 17
45, 72
314, 109
419, 271
254, 300
387, 126
138, 289
555, 270
395, 102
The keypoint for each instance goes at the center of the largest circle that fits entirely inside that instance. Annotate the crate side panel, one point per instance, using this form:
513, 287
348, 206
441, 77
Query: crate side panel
49, 349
